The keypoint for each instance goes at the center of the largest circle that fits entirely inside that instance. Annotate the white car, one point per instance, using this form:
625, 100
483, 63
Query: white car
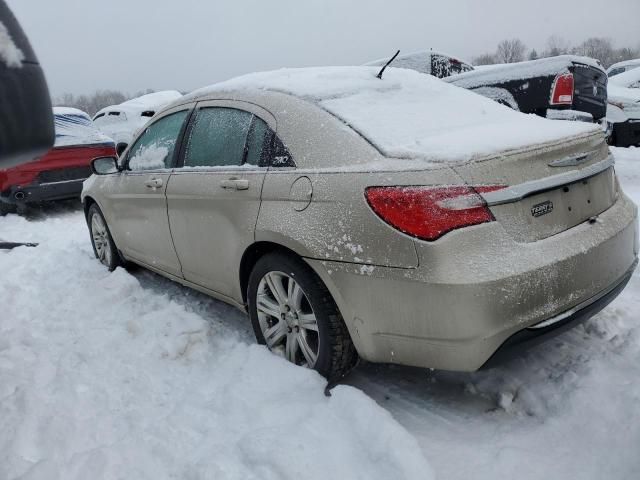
121, 122
623, 111
621, 67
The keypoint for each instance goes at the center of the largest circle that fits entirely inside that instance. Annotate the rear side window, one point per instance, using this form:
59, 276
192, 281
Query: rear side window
218, 138
154, 148
616, 71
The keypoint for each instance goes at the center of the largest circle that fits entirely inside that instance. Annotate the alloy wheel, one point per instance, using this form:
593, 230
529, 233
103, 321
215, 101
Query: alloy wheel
287, 321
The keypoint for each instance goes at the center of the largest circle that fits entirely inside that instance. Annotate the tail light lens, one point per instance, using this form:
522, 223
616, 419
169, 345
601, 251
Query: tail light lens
430, 212
562, 90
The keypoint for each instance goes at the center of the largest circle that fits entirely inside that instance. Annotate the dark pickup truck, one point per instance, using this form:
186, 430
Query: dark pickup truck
564, 87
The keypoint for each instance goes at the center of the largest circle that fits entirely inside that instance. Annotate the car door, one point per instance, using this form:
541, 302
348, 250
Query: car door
137, 205
214, 199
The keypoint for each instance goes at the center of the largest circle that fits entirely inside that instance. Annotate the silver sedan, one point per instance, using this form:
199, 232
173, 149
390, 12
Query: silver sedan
398, 220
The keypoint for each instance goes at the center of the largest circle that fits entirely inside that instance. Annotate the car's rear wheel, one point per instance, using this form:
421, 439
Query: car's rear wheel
103, 244
294, 315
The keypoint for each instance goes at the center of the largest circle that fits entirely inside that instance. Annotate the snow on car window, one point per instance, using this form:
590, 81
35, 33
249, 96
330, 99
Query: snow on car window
154, 148
10, 54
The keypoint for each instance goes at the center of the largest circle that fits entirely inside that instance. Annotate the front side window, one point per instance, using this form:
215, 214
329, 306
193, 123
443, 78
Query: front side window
218, 138
154, 149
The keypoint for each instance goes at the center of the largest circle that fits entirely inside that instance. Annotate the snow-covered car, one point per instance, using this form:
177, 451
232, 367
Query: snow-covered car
121, 122
623, 111
438, 64
621, 67
59, 173
402, 218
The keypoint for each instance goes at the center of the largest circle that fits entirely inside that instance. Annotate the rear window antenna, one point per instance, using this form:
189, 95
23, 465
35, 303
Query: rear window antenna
386, 65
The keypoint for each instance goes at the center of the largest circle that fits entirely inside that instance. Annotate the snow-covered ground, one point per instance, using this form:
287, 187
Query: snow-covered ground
127, 375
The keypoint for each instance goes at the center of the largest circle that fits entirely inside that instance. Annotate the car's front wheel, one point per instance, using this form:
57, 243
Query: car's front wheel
294, 315
103, 244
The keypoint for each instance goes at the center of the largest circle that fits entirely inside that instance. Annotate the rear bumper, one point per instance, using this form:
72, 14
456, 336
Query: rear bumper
42, 192
521, 341
476, 288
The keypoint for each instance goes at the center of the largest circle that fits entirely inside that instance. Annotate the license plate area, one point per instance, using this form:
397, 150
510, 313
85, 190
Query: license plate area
547, 213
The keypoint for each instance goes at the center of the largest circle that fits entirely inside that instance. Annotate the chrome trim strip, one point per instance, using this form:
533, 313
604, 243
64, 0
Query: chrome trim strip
580, 306
76, 180
516, 193
573, 160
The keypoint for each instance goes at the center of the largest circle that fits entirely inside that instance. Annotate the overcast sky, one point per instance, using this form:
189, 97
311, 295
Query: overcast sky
132, 45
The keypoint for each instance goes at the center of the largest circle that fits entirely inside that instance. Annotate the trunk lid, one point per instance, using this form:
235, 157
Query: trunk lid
549, 189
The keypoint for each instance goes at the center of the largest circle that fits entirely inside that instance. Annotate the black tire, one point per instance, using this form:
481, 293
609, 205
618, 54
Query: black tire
336, 354
6, 208
106, 252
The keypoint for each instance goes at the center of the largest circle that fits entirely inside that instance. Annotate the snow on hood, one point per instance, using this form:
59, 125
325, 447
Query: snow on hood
151, 101
521, 70
627, 79
10, 54
627, 98
408, 114
74, 127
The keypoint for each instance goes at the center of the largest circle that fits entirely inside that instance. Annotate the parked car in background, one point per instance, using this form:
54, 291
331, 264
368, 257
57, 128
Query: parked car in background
624, 108
402, 219
621, 67
60, 172
438, 64
565, 87
122, 121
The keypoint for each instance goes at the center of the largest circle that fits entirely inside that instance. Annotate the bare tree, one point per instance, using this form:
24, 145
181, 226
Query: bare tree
484, 59
510, 51
556, 46
94, 102
598, 48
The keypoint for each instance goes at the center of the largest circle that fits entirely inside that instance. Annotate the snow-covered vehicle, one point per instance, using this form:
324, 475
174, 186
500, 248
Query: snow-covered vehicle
623, 111
121, 122
59, 173
621, 67
438, 64
565, 87
401, 218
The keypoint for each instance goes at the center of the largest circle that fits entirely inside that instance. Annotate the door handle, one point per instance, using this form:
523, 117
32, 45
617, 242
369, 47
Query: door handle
154, 183
235, 183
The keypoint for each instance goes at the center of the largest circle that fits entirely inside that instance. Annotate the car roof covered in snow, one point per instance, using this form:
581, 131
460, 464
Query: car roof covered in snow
625, 63
75, 128
406, 114
627, 78
520, 70
151, 101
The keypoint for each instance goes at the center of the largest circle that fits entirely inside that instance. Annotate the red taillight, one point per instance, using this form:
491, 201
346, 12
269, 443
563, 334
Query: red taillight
430, 212
562, 90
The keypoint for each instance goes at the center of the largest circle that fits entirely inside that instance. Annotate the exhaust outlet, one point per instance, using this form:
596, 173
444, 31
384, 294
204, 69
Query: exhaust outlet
19, 196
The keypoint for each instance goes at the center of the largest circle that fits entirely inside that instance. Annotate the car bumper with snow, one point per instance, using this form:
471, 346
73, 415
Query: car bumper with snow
454, 312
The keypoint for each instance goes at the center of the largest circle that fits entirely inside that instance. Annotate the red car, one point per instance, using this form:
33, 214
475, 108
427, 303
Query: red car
60, 172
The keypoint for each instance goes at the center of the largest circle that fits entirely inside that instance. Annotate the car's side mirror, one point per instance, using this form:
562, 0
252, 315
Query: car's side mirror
104, 165
120, 148
26, 119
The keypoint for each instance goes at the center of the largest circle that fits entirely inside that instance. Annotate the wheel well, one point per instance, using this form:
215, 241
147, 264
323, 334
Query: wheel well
252, 255
88, 201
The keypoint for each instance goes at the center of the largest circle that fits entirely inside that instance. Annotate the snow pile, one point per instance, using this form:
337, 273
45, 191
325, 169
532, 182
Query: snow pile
10, 54
520, 71
410, 115
75, 128
107, 375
